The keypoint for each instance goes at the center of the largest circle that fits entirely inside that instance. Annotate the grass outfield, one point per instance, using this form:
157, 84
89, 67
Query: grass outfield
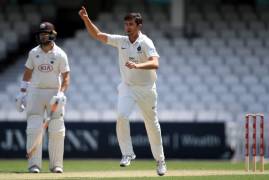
140, 169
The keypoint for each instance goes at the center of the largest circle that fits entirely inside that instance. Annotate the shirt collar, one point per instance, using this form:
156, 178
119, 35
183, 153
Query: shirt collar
51, 51
139, 38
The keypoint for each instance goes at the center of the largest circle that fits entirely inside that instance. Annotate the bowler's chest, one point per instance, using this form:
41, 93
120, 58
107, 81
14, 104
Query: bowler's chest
132, 52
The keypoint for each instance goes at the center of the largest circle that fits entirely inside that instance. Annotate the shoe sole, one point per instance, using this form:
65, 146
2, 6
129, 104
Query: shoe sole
124, 165
34, 172
58, 172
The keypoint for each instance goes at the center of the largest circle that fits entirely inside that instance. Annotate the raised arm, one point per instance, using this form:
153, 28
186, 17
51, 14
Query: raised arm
91, 28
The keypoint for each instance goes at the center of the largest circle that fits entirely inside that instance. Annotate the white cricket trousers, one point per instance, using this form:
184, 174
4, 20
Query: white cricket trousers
38, 102
146, 99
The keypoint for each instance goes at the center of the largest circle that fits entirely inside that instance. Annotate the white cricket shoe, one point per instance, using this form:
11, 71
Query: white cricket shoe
126, 160
57, 170
161, 168
34, 169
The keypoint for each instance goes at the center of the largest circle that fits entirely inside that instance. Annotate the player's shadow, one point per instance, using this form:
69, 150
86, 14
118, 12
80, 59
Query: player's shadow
20, 172
17, 172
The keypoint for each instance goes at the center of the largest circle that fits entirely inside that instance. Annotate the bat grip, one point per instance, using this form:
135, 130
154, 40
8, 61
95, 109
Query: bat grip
46, 123
53, 107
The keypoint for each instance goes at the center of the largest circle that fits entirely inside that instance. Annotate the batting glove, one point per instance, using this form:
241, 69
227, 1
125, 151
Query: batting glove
21, 101
60, 97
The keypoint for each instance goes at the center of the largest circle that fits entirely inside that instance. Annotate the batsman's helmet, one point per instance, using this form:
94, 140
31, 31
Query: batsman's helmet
46, 27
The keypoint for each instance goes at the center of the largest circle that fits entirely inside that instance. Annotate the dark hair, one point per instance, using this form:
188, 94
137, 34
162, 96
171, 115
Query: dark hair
136, 16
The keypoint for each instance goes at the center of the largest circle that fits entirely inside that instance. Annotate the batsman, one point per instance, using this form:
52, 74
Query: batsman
45, 79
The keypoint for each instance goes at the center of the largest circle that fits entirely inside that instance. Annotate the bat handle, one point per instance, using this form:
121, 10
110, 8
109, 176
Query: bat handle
54, 106
46, 123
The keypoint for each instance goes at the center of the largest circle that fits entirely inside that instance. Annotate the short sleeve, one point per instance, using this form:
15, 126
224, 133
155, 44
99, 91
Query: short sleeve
114, 40
64, 65
150, 49
29, 63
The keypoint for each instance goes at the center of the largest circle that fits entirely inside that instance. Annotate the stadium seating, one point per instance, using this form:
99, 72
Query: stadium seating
17, 22
218, 75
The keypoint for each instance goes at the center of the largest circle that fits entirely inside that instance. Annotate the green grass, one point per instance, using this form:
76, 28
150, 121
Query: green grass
249, 177
95, 165
80, 165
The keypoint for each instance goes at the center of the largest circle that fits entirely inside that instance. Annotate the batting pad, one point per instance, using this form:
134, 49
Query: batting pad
36, 159
56, 149
56, 124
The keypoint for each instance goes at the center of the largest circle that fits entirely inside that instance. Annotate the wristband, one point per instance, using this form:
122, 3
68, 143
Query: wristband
60, 94
25, 84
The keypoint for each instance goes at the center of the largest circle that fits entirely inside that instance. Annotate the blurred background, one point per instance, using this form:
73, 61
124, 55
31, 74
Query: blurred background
214, 68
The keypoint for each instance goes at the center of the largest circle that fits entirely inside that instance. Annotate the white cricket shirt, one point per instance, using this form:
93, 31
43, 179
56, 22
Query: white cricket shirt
137, 52
47, 67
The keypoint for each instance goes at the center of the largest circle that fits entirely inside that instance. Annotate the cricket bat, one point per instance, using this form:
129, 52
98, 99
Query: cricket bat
39, 138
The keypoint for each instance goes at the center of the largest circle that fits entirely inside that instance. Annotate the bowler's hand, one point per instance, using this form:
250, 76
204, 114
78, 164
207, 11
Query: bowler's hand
131, 65
83, 13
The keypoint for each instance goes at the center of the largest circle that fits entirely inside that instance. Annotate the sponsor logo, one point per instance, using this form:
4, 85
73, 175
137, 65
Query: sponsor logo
133, 60
45, 67
139, 49
152, 51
